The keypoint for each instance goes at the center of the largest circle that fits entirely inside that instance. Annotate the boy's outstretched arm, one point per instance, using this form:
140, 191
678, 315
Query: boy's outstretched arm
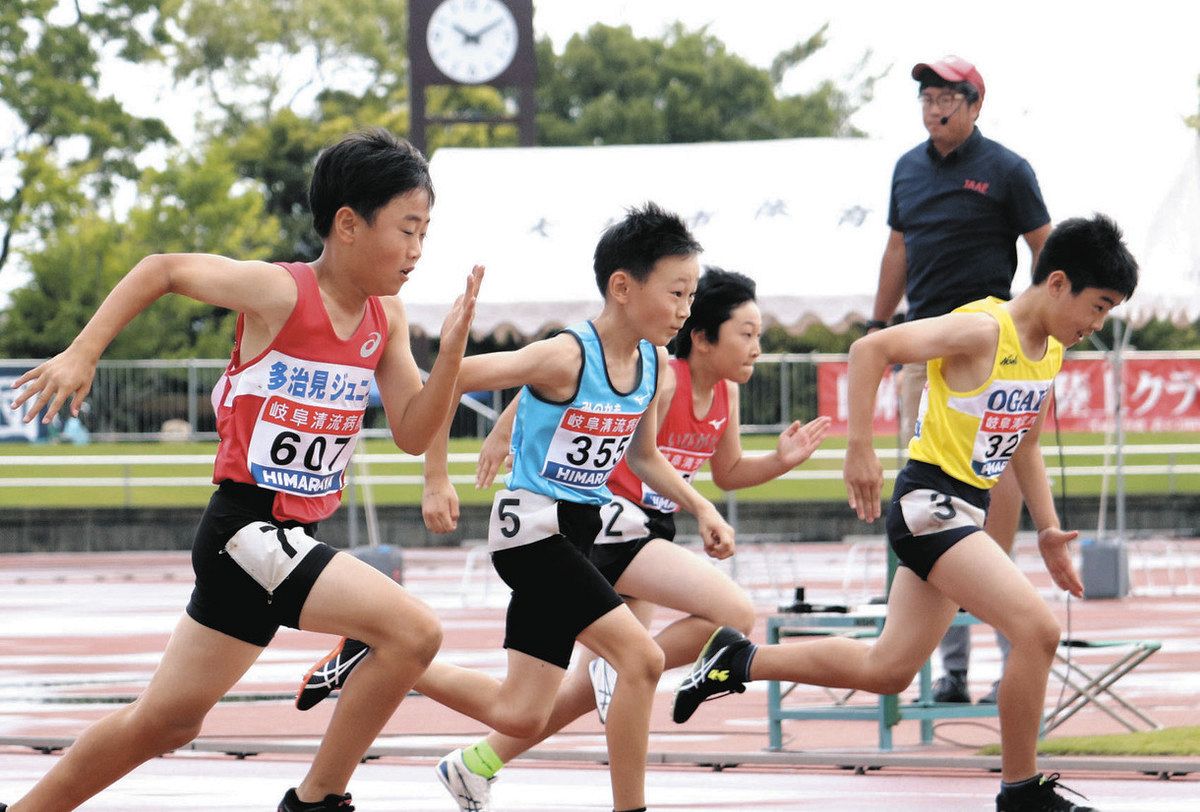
547, 364
1053, 541
650, 466
263, 292
950, 337
439, 500
496, 449
861, 470
732, 469
416, 411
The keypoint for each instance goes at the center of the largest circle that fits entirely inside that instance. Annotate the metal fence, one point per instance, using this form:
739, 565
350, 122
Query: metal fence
157, 399
142, 400
137, 400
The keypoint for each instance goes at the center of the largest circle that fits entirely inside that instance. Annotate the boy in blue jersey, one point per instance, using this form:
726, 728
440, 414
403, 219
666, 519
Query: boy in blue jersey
589, 398
991, 365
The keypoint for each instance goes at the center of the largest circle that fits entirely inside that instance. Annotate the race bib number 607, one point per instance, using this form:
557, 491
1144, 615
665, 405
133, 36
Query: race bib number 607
302, 449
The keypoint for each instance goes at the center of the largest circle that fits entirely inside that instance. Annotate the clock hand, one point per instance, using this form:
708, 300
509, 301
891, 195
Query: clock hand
479, 34
466, 35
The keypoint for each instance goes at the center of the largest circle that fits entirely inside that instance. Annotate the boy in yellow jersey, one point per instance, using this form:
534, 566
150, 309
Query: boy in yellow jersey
991, 365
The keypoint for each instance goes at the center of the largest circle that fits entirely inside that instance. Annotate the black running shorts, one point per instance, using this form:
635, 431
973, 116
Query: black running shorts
556, 590
253, 573
930, 513
619, 542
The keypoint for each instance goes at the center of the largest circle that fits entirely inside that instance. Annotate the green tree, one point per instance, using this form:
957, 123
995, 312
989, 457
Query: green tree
611, 87
67, 142
352, 59
191, 205
257, 57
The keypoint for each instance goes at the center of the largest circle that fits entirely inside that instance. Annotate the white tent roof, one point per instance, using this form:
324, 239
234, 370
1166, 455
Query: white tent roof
806, 218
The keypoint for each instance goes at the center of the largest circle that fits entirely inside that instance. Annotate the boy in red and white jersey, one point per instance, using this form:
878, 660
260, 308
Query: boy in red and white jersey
312, 339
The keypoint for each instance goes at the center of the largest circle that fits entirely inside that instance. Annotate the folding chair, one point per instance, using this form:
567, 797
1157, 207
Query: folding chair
1095, 687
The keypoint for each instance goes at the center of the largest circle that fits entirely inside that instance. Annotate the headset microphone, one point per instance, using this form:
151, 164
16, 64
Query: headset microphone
946, 119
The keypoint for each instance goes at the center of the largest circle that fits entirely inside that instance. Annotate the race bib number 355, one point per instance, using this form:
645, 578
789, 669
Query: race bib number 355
586, 447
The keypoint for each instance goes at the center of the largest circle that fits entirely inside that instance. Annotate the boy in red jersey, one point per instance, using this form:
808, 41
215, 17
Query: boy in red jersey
311, 338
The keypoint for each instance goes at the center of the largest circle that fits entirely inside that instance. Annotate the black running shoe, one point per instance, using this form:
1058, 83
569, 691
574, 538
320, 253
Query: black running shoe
330, 673
991, 697
1039, 796
332, 803
711, 675
951, 687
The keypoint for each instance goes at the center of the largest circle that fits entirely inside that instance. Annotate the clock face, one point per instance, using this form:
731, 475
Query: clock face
472, 41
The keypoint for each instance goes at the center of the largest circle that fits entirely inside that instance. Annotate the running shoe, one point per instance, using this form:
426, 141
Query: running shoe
330, 673
712, 675
951, 687
992, 696
604, 682
332, 803
472, 793
1039, 796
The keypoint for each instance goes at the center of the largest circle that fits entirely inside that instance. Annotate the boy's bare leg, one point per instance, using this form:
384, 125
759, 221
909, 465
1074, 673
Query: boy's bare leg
1004, 510
1003, 519
917, 616
354, 599
575, 697
619, 638
519, 706
669, 575
198, 667
979, 576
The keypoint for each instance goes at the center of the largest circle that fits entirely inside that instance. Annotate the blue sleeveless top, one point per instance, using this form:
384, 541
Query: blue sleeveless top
567, 450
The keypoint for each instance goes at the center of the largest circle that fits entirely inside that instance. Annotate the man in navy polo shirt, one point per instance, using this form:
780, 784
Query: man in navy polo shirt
959, 202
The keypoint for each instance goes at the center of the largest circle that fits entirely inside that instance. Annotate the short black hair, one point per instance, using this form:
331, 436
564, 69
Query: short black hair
930, 78
718, 294
638, 241
1092, 253
365, 171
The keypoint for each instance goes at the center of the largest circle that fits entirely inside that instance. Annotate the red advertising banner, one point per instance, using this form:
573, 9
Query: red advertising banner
1160, 394
833, 398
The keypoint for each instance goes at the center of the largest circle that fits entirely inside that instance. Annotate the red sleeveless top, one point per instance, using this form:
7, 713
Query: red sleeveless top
685, 440
289, 419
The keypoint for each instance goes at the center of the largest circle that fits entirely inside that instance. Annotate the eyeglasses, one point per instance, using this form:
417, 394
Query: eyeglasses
943, 101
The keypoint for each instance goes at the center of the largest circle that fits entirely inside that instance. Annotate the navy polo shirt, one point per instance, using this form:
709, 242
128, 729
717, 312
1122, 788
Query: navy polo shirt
961, 216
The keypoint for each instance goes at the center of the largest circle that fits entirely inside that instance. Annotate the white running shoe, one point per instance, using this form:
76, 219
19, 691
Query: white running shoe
604, 682
472, 793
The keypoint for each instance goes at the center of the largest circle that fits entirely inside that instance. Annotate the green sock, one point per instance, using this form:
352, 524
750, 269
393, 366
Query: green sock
481, 759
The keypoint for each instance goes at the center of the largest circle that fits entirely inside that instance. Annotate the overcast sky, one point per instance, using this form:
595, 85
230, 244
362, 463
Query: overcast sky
1121, 73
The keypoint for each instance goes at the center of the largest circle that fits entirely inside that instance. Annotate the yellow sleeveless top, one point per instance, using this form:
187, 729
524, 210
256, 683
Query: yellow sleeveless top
972, 435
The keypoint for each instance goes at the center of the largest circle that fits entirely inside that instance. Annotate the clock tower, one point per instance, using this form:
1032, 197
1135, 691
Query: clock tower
471, 42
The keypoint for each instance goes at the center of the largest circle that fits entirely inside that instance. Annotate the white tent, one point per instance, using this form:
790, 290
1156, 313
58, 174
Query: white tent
806, 218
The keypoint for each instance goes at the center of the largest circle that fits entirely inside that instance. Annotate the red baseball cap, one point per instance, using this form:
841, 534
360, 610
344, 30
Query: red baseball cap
953, 69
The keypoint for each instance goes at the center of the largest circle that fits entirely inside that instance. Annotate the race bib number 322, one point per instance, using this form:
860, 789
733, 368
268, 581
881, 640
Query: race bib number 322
587, 446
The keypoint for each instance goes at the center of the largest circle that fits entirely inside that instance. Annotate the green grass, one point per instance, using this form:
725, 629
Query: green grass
789, 491
1171, 741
